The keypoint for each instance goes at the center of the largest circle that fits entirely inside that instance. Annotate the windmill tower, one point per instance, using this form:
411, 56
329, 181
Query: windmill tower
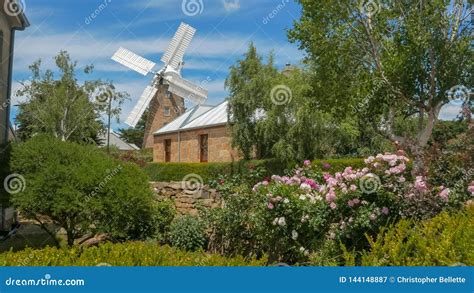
165, 96
164, 108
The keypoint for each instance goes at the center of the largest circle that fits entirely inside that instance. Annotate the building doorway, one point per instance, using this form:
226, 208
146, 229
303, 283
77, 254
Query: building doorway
203, 148
167, 150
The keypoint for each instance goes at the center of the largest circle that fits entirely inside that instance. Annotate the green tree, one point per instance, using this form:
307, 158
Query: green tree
248, 83
135, 135
82, 190
387, 61
63, 107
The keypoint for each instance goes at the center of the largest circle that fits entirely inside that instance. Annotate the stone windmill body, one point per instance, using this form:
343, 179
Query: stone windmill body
164, 97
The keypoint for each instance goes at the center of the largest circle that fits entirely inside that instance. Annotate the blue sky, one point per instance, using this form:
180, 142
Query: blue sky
92, 30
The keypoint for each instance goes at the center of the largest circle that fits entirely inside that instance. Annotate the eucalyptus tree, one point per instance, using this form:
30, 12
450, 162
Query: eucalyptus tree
388, 61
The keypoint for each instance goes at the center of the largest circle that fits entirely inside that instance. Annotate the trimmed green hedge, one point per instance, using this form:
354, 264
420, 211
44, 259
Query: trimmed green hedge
338, 165
209, 171
124, 254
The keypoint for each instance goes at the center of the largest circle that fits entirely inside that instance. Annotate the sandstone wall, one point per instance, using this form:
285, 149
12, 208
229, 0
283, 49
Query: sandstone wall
187, 197
219, 146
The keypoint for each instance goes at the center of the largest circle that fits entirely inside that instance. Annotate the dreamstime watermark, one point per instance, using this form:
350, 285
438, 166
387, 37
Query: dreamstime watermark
275, 11
363, 104
370, 183
369, 7
192, 7
105, 96
192, 183
281, 95
459, 94
14, 7
91, 17
103, 183
47, 280
468, 175
14, 183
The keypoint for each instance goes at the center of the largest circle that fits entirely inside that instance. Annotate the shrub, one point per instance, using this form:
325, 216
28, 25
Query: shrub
187, 232
211, 171
82, 190
237, 228
303, 211
445, 240
124, 254
164, 213
140, 157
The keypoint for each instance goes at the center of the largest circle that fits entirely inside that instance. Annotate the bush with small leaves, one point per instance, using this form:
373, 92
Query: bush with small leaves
188, 232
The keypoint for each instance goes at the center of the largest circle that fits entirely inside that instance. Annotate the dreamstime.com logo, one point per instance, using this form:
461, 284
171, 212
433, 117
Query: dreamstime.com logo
192, 7
192, 183
105, 96
45, 281
369, 7
370, 183
14, 183
14, 7
459, 94
281, 95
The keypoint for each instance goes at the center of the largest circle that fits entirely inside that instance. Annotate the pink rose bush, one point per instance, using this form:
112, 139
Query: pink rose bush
345, 206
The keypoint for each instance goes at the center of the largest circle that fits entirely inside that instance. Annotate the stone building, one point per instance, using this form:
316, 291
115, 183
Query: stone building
202, 134
164, 108
11, 19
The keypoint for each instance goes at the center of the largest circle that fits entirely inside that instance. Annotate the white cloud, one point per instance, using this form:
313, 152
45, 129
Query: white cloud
231, 5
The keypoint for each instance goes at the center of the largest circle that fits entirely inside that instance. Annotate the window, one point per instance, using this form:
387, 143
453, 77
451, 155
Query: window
167, 150
167, 111
203, 148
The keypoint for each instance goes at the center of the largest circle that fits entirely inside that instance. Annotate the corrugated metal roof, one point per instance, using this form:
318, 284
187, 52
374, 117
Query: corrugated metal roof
198, 117
117, 141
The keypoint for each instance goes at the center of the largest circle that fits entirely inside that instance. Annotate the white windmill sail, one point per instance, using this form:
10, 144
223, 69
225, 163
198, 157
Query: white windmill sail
176, 49
141, 106
133, 61
184, 88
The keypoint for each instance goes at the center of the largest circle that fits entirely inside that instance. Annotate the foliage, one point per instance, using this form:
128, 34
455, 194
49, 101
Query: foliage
248, 78
164, 214
137, 134
387, 62
445, 240
187, 232
4, 170
453, 161
312, 212
81, 189
236, 229
62, 107
208, 171
124, 254
140, 157
274, 116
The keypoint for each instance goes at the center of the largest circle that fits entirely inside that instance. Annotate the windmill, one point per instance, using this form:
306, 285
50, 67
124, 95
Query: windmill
167, 86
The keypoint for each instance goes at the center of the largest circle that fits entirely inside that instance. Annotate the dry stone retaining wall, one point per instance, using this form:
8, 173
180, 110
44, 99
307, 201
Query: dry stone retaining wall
187, 198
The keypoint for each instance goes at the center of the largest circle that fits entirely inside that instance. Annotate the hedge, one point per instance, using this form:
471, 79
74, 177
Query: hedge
338, 165
124, 254
445, 240
208, 171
